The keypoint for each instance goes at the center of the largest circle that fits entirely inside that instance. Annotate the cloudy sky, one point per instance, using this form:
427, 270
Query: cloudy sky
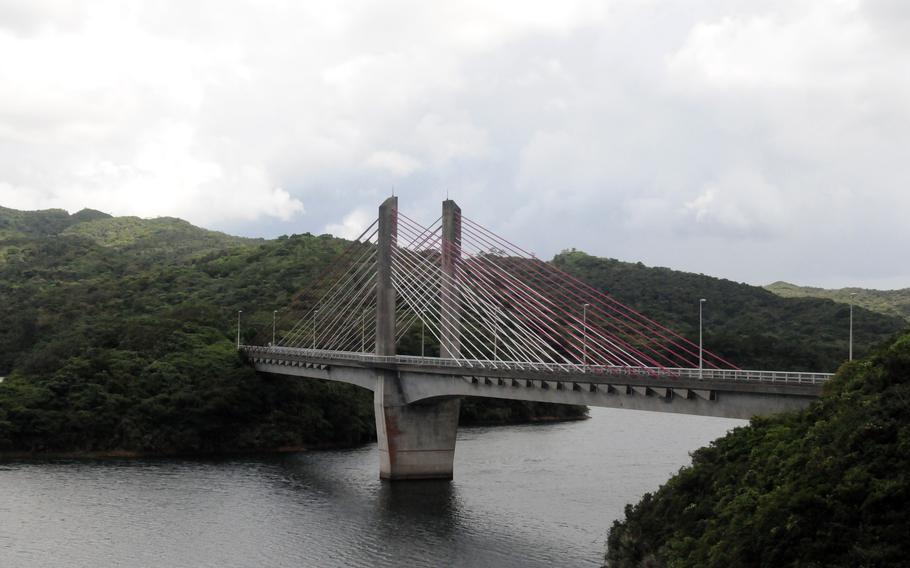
752, 140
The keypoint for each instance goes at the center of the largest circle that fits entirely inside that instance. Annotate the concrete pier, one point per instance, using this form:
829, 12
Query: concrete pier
417, 440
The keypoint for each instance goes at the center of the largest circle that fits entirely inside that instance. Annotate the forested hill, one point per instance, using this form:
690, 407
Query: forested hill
747, 325
824, 486
15, 223
116, 334
891, 302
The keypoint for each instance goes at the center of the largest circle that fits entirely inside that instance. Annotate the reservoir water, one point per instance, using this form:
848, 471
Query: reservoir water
528, 496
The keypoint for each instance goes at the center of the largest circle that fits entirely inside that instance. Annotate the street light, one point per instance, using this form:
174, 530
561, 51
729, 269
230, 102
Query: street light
363, 332
701, 302
584, 337
852, 294
274, 317
422, 328
496, 334
238, 328
316, 311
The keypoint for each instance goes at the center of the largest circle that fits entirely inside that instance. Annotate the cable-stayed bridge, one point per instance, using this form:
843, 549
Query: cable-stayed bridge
494, 321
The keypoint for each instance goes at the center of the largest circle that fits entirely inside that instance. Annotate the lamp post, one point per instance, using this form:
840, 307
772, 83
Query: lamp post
496, 334
316, 311
701, 349
363, 332
422, 327
238, 328
584, 337
274, 319
852, 294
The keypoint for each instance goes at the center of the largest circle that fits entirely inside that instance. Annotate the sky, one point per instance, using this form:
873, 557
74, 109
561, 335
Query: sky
751, 140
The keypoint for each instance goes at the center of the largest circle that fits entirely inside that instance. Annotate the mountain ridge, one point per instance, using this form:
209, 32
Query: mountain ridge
894, 302
746, 324
117, 334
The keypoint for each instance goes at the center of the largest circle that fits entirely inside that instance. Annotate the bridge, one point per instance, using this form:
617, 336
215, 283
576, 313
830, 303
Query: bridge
506, 325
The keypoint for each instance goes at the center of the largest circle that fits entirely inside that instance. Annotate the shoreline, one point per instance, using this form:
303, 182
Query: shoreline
535, 420
137, 454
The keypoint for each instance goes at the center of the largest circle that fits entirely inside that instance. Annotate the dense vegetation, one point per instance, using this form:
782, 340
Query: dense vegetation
116, 334
15, 224
891, 302
745, 324
827, 486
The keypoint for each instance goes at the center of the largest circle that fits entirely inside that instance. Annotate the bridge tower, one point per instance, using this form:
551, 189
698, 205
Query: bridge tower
416, 441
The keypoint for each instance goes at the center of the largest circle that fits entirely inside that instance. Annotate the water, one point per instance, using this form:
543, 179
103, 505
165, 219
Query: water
535, 495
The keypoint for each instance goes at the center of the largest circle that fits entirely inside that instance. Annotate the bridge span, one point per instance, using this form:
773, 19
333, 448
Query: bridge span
728, 393
507, 326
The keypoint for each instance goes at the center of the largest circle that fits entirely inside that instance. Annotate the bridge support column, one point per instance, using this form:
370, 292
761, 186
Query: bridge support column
416, 441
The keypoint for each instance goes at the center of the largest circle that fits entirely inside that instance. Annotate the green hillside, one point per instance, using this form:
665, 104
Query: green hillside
15, 224
111, 343
745, 324
890, 302
164, 239
117, 334
826, 486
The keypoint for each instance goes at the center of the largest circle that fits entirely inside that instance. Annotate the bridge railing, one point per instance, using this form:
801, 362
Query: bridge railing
786, 377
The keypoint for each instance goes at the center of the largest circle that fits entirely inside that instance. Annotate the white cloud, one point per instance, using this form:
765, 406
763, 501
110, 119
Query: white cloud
693, 135
775, 51
162, 175
353, 224
398, 164
107, 115
740, 203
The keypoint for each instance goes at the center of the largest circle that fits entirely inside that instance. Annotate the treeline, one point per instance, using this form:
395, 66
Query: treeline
117, 334
826, 486
128, 347
890, 302
747, 325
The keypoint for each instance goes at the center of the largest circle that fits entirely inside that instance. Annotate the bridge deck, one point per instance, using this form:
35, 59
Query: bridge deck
731, 394
550, 371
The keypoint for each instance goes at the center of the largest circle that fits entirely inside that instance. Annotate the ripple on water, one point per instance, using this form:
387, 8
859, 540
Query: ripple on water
537, 495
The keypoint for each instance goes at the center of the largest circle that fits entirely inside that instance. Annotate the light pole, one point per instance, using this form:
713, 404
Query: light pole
363, 332
422, 327
701, 349
274, 318
852, 294
316, 311
496, 334
238, 328
584, 337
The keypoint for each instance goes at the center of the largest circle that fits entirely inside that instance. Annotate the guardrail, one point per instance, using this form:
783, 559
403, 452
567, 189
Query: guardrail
786, 377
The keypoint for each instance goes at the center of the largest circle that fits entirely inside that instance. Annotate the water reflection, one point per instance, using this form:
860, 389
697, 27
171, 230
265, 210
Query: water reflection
522, 496
419, 503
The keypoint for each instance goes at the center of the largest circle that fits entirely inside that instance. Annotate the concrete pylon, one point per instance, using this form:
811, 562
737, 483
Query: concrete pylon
450, 324
416, 441
385, 290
